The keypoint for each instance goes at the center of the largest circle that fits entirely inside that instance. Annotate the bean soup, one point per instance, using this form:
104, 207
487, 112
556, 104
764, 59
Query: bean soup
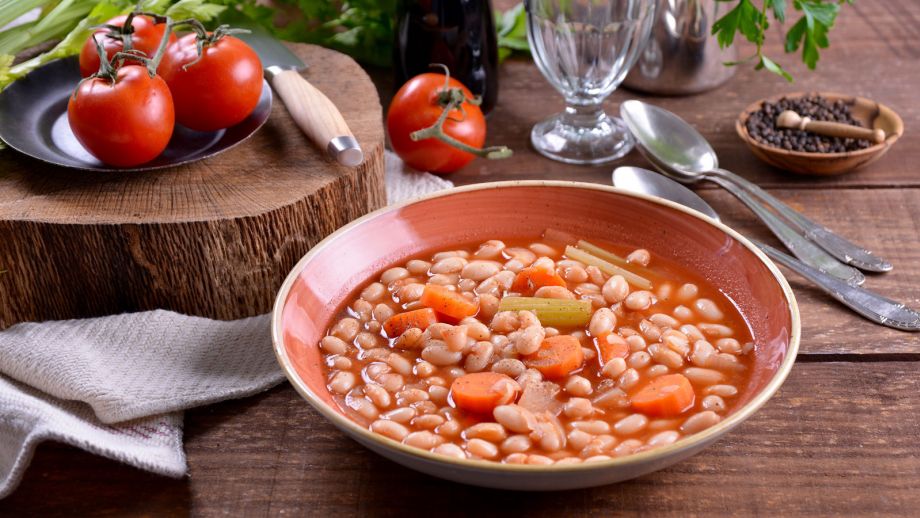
545, 351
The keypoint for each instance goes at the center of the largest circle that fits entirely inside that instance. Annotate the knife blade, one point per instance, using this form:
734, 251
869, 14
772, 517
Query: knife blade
313, 112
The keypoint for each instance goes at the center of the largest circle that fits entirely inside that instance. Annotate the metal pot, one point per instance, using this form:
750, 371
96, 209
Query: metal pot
682, 56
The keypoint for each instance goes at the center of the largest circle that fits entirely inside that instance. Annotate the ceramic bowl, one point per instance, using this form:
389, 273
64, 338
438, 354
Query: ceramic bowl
347, 259
870, 113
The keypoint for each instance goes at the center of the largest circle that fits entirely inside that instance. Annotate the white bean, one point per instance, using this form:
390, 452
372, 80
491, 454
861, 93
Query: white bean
509, 367
639, 360
614, 368
627, 447
528, 340
630, 424
390, 429
482, 449
715, 330
492, 432
480, 270
595, 427
700, 421
687, 292
728, 345
346, 329
449, 265
639, 256
393, 274
554, 292
400, 415
424, 440
613, 398
683, 313
721, 390
578, 407
628, 379
664, 321
638, 300
578, 439
664, 438
514, 418
440, 355
615, 290
703, 377
602, 322
714, 403
516, 444
333, 345
707, 309
455, 337
428, 421
450, 450
342, 382
490, 250
578, 386
479, 357
378, 395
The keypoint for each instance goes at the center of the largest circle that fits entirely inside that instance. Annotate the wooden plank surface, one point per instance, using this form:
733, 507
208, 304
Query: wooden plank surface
874, 52
839, 438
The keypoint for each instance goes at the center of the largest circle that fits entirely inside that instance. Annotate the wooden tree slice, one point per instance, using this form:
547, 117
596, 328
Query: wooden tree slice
215, 238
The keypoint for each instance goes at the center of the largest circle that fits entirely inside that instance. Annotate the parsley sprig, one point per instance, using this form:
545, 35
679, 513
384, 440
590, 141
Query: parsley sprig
809, 33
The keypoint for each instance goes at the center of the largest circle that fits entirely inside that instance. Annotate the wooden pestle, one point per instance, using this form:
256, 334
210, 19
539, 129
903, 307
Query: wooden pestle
792, 120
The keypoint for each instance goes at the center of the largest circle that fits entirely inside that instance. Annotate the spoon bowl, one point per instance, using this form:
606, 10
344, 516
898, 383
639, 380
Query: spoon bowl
677, 148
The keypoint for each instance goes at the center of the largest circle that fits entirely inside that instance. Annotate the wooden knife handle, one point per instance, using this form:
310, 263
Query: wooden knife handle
317, 117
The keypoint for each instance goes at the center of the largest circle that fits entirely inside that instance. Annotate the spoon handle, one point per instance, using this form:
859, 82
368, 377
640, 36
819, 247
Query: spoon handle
833, 243
867, 303
800, 247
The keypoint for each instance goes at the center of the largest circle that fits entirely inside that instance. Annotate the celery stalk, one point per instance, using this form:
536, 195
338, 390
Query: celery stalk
551, 312
607, 267
614, 258
603, 254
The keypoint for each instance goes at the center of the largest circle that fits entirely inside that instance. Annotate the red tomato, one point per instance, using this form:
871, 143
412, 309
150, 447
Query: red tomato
125, 124
218, 91
146, 38
416, 107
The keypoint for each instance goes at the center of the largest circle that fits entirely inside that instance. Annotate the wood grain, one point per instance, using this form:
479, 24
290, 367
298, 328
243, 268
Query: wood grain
874, 53
214, 238
839, 438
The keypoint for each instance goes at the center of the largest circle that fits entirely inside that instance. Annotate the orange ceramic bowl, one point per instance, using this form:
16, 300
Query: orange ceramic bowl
336, 267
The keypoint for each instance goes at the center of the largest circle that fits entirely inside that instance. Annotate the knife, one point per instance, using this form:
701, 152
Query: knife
313, 112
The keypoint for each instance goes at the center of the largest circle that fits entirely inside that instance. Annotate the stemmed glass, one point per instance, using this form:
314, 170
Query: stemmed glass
585, 48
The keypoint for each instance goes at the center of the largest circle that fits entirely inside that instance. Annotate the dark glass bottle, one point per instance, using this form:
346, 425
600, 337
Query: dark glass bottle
457, 33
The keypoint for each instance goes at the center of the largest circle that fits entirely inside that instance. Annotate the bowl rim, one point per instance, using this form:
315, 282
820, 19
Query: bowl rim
741, 128
697, 440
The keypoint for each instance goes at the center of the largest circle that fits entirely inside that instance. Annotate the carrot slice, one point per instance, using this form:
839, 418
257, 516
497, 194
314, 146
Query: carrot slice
557, 356
529, 279
481, 392
611, 346
401, 322
664, 396
450, 303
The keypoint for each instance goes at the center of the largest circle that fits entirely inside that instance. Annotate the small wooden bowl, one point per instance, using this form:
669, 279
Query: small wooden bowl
870, 113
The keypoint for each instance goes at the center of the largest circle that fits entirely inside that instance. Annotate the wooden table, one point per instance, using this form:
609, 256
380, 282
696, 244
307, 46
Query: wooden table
840, 438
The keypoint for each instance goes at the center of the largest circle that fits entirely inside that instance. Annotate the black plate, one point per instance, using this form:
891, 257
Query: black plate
33, 120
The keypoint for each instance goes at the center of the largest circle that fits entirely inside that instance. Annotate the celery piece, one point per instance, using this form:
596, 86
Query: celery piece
601, 253
615, 259
551, 312
607, 267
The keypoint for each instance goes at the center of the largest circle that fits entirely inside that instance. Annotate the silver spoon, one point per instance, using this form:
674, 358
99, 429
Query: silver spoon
864, 302
680, 152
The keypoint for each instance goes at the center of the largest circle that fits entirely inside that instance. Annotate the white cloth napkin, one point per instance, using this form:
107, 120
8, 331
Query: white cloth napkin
116, 386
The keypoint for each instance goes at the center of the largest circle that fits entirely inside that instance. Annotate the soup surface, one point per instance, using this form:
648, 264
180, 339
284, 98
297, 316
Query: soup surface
551, 350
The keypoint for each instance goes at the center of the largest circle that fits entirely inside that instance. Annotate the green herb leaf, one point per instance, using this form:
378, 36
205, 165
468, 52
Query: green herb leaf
744, 18
810, 32
779, 9
774, 67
